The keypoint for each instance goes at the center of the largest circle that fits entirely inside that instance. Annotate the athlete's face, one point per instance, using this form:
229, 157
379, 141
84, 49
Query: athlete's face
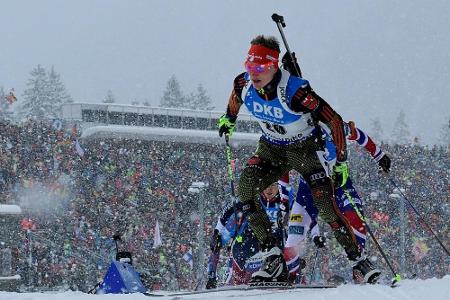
271, 191
261, 79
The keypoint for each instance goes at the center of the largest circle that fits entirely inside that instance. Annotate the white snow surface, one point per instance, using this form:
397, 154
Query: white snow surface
430, 289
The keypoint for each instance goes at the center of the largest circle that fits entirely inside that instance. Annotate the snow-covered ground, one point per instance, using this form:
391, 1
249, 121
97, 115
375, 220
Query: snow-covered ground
431, 289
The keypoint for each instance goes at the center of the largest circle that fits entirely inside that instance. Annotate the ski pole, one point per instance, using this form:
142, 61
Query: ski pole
116, 237
397, 277
420, 217
231, 176
279, 20
313, 271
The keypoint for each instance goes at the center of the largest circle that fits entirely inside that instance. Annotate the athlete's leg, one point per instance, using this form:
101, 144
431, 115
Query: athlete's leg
347, 198
262, 169
303, 157
299, 222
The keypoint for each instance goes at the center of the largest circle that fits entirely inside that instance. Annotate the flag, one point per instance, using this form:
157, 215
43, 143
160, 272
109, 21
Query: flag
74, 131
57, 124
188, 258
11, 98
157, 236
78, 148
27, 224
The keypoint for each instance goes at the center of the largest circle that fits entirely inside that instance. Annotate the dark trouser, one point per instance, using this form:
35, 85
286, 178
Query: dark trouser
268, 164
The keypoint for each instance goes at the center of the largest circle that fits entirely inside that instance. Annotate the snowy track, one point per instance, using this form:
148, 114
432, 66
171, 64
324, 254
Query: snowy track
431, 289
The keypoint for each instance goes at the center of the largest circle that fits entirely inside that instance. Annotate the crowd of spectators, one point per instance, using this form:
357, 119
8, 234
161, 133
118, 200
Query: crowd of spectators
77, 194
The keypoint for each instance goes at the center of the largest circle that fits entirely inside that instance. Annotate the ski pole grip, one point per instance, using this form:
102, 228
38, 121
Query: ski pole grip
278, 19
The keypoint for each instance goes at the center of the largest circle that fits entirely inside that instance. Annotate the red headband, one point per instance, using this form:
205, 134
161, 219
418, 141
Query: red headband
259, 54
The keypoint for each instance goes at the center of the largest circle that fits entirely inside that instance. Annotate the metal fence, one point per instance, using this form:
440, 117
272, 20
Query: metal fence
152, 117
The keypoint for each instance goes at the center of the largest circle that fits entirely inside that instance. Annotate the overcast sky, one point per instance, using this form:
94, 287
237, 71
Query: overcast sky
368, 59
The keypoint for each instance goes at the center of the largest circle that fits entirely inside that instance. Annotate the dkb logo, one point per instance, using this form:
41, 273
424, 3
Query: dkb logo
268, 110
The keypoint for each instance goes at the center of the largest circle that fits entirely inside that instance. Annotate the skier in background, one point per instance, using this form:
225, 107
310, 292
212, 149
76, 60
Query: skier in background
245, 257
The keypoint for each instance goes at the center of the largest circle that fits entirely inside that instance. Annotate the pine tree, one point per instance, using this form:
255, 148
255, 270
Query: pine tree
190, 101
5, 112
146, 103
36, 101
400, 133
57, 92
109, 98
200, 100
173, 97
376, 131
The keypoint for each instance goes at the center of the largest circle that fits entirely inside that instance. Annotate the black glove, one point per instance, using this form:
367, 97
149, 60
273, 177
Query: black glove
291, 65
385, 164
319, 241
212, 281
216, 241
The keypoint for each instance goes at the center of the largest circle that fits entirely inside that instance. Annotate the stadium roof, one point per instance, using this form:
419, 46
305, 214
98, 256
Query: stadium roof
10, 209
164, 134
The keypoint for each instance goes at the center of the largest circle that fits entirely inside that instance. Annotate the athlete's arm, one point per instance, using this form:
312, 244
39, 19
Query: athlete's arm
357, 135
235, 101
306, 100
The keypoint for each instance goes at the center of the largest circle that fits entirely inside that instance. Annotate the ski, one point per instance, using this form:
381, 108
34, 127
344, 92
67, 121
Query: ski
151, 294
269, 284
274, 286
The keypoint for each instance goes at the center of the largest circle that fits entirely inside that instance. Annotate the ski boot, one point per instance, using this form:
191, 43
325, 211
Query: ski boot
365, 272
212, 281
273, 268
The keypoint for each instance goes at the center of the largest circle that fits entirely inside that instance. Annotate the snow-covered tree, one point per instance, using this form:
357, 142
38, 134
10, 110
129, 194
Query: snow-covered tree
173, 97
146, 103
401, 134
189, 101
58, 94
376, 130
109, 98
200, 100
36, 102
135, 102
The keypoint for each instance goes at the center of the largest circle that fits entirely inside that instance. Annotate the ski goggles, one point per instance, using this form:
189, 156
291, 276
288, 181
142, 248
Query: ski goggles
260, 59
252, 67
